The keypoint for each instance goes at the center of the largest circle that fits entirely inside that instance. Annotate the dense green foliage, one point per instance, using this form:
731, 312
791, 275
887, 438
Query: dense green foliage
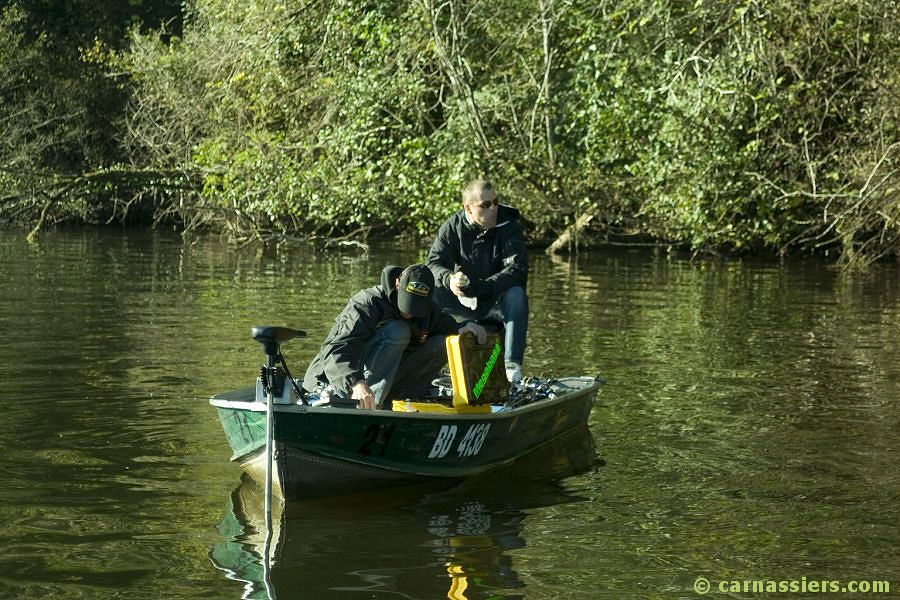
735, 125
59, 109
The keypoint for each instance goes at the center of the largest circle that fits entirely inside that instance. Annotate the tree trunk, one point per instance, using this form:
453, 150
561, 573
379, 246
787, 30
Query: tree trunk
569, 238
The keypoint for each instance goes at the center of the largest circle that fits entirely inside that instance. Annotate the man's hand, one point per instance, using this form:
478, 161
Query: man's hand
458, 281
477, 330
363, 394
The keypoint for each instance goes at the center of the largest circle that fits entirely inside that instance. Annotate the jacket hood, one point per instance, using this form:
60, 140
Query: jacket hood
506, 214
389, 275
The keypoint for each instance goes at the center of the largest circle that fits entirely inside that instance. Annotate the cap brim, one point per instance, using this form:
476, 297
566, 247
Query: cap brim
417, 306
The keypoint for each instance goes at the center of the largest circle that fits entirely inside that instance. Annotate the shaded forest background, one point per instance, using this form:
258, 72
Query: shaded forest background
725, 126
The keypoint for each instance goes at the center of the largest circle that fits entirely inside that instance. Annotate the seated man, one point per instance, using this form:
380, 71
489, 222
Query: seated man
387, 342
480, 265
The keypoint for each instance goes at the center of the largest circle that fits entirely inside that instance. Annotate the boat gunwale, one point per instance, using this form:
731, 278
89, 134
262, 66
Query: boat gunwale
219, 402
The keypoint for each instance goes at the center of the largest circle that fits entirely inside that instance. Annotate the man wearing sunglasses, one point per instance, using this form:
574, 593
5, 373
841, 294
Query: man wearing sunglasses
480, 268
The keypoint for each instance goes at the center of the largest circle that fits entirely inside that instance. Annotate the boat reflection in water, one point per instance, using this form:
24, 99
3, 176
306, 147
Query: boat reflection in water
425, 539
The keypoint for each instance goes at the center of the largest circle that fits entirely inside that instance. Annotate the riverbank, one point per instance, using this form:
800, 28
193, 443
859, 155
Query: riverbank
725, 128
358, 241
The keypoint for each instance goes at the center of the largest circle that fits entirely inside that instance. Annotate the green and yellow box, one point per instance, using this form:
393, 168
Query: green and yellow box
477, 373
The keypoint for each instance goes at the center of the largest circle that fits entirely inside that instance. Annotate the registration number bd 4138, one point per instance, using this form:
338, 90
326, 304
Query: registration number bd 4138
469, 445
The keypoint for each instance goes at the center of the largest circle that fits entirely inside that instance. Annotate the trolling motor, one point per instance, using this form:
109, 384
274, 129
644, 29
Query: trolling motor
272, 379
271, 339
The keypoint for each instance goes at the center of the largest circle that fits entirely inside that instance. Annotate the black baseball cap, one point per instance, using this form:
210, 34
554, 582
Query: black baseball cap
414, 290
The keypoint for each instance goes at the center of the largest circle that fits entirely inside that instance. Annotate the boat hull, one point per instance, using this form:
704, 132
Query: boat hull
320, 446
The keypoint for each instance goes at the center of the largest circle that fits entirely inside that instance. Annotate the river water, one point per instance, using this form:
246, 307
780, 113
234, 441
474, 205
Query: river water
749, 430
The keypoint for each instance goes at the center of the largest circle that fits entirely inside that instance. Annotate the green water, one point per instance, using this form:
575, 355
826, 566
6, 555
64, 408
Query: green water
750, 430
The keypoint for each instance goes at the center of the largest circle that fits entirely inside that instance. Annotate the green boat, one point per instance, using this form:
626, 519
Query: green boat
326, 448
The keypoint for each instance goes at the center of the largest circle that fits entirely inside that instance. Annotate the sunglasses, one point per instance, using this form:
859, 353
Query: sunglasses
487, 203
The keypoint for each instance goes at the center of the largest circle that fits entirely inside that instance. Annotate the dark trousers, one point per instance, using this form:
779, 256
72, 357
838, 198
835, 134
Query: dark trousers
511, 308
394, 368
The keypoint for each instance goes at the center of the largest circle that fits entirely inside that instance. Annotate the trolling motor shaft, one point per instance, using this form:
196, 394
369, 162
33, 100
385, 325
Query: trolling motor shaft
271, 339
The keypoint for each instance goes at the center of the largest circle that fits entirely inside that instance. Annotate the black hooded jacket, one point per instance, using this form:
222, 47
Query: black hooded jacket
339, 361
494, 259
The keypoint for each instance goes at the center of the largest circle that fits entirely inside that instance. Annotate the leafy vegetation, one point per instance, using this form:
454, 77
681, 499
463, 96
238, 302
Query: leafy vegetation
719, 126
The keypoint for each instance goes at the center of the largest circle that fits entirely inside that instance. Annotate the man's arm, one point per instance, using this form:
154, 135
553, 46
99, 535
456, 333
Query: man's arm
442, 257
515, 261
353, 328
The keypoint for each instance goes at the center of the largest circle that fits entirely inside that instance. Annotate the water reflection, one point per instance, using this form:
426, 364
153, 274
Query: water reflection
427, 539
749, 427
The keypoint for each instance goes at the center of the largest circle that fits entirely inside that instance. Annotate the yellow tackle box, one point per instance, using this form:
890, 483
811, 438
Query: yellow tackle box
477, 370
437, 406
477, 373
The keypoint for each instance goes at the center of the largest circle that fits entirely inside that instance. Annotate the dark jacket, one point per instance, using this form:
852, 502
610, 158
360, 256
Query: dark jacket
494, 259
339, 359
